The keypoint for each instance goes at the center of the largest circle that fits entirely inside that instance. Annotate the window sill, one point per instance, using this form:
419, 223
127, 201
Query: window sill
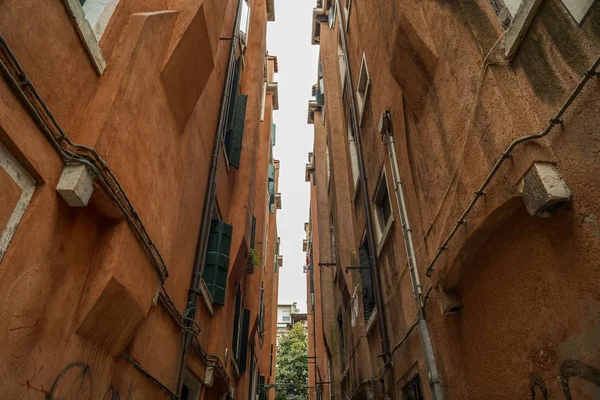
371, 321
385, 234
86, 34
518, 28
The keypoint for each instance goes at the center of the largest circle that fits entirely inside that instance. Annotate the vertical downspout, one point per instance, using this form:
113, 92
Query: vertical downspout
374, 267
434, 378
312, 306
207, 210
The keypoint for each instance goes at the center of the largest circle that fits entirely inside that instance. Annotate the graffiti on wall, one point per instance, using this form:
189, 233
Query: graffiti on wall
568, 370
76, 381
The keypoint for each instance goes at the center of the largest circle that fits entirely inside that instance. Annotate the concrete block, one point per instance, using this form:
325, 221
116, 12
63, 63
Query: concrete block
544, 190
76, 184
450, 302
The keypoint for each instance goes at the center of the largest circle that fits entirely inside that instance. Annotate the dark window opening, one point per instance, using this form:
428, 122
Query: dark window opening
412, 390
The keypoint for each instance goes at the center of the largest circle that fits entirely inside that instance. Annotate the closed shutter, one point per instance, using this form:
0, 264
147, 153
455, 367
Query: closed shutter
367, 286
272, 174
244, 341
320, 97
261, 387
261, 317
273, 134
253, 233
217, 260
236, 324
234, 137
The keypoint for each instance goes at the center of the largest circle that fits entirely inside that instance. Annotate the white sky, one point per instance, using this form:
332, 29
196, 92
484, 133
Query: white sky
289, 38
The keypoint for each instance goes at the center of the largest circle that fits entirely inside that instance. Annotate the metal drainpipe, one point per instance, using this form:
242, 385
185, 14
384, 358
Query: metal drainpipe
434, 378
314, 315
209, 202
374, 268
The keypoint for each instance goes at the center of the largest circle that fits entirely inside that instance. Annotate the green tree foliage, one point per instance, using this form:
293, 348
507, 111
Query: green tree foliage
292, 364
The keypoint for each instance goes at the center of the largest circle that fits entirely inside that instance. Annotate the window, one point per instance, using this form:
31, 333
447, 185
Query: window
328, 163
98, 13
412, 390
245, 22
515, 17
506, 10
353, 156
332, 11
342, 61
347, 6
241, 323
368, 294
342, 345
191, 387
253, 377
91, 18
383, 208
362, 88
578, 8
216, 265
286, 315
235, 118
261, 311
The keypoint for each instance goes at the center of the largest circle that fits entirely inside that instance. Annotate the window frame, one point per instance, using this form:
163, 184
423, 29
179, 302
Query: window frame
382, 224
347, 9
86, 33
569, 7
194, 385
245, 31
362, 87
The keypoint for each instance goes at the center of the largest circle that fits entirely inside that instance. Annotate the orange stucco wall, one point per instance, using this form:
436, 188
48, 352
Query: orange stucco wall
77, 288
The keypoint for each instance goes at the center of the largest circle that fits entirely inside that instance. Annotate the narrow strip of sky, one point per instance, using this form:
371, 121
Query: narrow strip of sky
289, 38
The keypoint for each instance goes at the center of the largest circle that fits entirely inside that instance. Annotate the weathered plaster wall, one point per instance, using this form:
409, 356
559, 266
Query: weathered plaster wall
451, 120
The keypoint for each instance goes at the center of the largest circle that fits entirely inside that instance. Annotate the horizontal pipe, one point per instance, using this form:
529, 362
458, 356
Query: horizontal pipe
557, 119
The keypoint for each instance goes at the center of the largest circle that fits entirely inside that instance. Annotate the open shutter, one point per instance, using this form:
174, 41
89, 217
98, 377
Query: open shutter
367, 286
261, 387
233, 140
236, 323
235, 90
244, 341
217, 260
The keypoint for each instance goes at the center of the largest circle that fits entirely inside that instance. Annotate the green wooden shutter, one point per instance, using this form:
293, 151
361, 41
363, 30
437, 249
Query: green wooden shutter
244, 341
272, 174
261, 387
234, 91
366, 283
273, 134
320, 97
234, 137
236, 323
253, 233
261, 316
217, 260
